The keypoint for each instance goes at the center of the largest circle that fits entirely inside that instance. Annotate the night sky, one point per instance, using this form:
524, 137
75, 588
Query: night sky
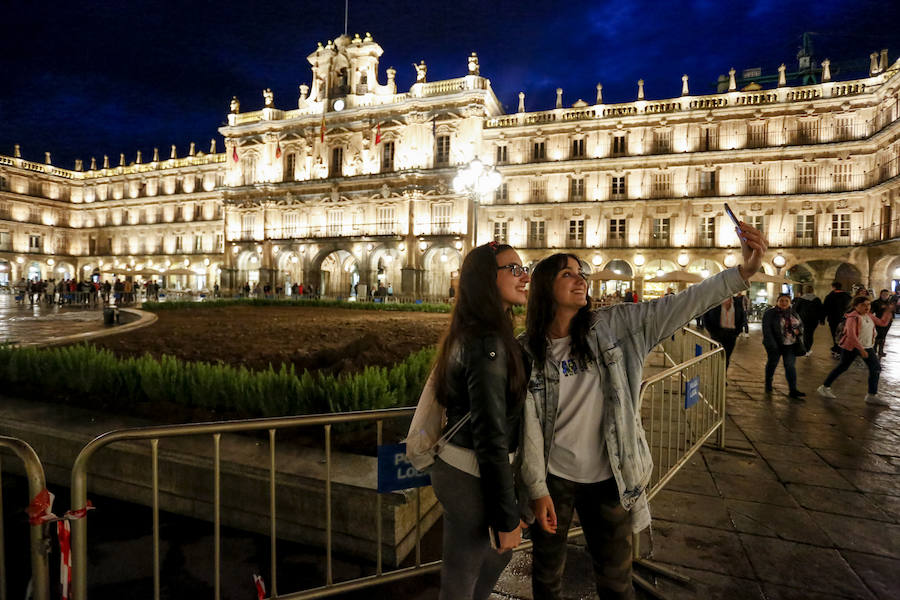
89, 78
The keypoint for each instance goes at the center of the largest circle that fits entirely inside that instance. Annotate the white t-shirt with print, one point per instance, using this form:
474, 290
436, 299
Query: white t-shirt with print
578, 452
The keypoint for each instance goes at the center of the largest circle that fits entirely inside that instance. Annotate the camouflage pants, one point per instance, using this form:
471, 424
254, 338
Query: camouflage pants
607, 530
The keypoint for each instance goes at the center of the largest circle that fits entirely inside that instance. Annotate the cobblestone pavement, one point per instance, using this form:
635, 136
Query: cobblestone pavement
814, 513
25, 323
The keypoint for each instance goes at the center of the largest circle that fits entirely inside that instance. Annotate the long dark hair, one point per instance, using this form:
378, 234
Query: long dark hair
478, 310
542, 310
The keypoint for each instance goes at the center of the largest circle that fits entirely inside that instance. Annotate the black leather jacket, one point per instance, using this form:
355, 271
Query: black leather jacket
477, 381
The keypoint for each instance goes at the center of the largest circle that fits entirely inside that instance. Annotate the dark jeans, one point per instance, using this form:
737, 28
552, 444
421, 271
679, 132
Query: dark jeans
833, 325
786, 354
847, 358
809, 330
471, 567
880, 338
728, 338
607, 530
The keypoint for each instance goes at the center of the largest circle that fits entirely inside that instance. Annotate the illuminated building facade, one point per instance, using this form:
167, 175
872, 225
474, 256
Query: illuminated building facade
353, 186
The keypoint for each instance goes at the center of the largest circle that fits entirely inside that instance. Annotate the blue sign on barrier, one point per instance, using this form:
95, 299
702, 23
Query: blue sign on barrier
698, 349
692, 391
395, 472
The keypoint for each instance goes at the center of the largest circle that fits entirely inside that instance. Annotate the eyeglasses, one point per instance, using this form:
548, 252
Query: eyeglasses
516, 270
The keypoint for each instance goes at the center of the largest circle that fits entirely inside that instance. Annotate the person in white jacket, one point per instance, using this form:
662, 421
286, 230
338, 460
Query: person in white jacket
583, 444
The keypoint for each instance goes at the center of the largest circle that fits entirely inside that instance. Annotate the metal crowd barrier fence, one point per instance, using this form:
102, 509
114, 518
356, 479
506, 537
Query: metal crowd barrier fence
214, 431
39, 545
681, 407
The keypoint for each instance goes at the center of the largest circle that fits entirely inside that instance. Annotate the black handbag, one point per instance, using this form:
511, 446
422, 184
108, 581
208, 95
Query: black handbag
798, 348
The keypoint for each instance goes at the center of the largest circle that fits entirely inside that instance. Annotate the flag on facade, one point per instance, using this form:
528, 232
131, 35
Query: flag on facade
260, 586
378, 134
278, 150
434, 127
322, 132
234, 155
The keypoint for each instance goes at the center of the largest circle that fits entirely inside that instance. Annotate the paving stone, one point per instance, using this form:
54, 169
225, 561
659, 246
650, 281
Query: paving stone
696, 509
841, 502
783, 592
701, 548
736, 464
789, 472
879, 483
704, 584
755, 490
696, 481
787, 453
862, 460
775, 521
861, 535
775, 435
879, 573
889, 504
811, 567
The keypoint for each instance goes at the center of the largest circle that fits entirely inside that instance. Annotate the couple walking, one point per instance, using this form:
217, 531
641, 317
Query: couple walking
552, 420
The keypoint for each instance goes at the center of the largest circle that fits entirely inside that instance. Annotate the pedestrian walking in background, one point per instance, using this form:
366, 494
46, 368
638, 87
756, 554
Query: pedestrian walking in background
836, 303
858, 339
783, 340
725, 322
745, 300
480, 379
885, 301
812, 314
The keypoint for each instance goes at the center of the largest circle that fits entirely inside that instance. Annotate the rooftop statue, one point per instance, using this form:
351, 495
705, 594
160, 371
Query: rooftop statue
473, 64
421, 71
235, 105
269, 98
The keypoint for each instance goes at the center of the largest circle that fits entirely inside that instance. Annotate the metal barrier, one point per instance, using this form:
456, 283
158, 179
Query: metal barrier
677, 421
40, 575
215, 431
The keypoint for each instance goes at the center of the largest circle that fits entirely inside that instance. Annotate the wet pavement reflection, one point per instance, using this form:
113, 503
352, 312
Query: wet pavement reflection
23, 322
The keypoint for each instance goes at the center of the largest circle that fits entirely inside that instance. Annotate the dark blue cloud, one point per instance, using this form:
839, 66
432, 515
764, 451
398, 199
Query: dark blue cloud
91, 78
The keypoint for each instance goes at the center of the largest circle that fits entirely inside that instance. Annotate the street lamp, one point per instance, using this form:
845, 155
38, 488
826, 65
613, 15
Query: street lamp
477, 181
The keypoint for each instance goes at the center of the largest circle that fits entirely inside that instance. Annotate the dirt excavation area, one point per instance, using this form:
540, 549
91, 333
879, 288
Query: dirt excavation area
332, 340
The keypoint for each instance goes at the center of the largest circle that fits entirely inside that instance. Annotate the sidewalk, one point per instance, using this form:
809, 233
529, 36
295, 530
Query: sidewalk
815, 514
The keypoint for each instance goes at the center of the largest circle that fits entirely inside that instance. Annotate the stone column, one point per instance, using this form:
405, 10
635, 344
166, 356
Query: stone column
559, 98
732, 84
521, 108
599, 93
640, 89
873, 63
684, 85
782, 79
826, 70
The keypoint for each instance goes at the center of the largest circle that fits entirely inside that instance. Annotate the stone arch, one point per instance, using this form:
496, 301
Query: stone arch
441, 263
705, 264
848, 274
65, 270
886, 272
385, 267
248, 264
290, 269
338, 274
33, 270
6, 273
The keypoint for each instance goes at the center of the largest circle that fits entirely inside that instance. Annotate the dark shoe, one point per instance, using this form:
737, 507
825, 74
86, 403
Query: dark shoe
796, 394
768, 388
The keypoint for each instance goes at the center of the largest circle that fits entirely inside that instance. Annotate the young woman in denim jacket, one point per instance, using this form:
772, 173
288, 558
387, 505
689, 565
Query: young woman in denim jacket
479, 369
584, 447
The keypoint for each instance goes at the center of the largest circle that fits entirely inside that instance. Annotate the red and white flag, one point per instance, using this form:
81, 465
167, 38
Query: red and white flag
234, 155
65, 557
378, 134
260, 587
322, 132
278, 150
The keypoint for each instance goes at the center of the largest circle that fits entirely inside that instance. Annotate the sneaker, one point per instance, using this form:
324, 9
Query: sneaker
876, 400
835, 356
825, 392
797, 394
809, 353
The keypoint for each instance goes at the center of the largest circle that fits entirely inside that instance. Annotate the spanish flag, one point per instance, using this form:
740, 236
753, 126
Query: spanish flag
278, 150
234, 155
322, 132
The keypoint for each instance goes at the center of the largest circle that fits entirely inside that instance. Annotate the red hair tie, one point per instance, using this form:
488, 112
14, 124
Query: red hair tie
493, 245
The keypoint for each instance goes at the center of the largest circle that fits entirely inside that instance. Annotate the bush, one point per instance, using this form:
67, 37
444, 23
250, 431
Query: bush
84, 372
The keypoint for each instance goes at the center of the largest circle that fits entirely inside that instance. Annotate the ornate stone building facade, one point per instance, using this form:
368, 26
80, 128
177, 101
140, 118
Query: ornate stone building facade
353, 186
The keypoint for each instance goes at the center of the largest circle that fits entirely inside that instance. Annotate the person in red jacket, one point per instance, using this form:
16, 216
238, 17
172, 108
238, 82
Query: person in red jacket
859, 339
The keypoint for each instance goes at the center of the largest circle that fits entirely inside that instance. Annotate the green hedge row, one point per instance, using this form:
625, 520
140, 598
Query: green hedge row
391, 306
85, 372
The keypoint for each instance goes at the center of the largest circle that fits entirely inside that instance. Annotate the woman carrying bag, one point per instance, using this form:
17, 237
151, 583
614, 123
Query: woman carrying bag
480, 378
783, 339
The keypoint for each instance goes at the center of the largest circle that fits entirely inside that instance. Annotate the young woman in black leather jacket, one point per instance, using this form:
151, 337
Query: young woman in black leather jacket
479, 369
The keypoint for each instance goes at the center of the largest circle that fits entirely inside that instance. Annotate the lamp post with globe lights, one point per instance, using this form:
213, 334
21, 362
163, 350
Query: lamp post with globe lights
477, 181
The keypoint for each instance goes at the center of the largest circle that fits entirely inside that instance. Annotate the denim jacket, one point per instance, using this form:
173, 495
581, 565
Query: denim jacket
620, 339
